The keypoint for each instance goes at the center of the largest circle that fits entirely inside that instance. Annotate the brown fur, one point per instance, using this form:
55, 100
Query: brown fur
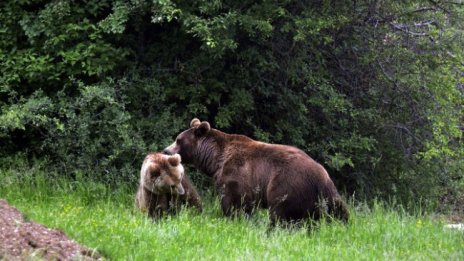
164, 187
249, 174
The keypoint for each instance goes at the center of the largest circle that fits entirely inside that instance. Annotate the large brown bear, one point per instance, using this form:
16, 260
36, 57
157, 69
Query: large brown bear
163, 186
249, 173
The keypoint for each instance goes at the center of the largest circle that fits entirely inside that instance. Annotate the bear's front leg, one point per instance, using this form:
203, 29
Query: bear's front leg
159, 206
231, 198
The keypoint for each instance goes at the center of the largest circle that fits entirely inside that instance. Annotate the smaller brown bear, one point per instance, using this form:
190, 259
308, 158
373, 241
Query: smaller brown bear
164, 187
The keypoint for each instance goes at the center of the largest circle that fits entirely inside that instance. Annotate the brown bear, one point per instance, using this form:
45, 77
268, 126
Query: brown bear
249, 174
163, 186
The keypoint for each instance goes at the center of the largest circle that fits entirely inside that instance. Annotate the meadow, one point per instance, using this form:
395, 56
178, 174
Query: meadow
103, 218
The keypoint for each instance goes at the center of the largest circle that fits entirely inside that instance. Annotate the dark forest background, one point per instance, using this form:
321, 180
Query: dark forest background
371, 89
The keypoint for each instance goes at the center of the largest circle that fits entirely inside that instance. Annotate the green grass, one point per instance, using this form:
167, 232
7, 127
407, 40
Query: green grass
105, 219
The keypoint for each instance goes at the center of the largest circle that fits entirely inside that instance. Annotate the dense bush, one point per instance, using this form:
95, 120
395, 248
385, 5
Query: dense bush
371, 89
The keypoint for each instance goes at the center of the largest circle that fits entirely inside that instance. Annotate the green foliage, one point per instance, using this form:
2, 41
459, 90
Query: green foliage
32, 112
372, 90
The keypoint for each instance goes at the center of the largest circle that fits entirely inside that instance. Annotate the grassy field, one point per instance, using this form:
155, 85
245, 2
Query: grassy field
104, 219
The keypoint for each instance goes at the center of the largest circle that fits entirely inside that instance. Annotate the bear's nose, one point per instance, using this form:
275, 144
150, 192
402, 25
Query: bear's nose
167, 152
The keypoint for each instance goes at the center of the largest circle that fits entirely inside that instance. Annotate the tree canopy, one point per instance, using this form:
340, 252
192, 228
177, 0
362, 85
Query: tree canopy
373, 90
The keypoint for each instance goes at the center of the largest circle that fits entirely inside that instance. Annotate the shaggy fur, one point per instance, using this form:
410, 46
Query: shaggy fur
249, 174
163, 186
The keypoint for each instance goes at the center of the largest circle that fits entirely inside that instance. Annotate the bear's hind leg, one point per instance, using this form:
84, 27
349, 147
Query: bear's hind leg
338, 209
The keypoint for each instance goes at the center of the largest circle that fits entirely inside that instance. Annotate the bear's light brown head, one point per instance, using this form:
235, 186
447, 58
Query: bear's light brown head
162, 174
187, 142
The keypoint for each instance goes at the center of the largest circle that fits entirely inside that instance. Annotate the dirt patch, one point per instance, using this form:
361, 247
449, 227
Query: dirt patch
21, 239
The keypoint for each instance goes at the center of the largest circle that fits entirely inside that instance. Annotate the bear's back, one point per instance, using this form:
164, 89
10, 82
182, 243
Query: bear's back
241, 149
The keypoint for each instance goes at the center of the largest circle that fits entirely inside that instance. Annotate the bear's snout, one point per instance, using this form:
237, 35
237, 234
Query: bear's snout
171, 149
180, 189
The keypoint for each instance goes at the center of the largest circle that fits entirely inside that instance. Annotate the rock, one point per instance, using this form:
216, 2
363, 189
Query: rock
459, 226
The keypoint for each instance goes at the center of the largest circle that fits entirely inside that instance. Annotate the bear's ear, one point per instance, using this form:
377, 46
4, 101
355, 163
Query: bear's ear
174, 160
202, 129
194, 123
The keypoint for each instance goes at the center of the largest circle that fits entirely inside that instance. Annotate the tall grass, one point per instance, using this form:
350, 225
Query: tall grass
103, 218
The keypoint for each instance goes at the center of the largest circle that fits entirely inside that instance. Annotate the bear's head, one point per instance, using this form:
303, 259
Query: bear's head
187, 142
162, 174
